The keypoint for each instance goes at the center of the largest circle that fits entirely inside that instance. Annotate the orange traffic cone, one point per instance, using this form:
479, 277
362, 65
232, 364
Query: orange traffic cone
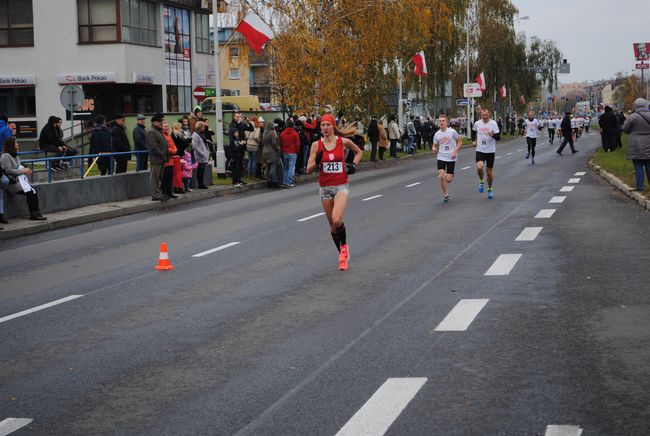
163, 260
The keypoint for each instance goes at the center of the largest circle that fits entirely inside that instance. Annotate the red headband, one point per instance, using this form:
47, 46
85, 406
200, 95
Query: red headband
328, 118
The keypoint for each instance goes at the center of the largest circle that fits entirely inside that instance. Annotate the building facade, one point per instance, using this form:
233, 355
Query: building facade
129, 56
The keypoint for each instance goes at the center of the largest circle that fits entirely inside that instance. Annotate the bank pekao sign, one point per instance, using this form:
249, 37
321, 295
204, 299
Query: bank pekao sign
76, 78
11, 81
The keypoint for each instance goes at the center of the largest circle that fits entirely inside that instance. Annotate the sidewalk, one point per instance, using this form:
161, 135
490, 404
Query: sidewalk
98, 212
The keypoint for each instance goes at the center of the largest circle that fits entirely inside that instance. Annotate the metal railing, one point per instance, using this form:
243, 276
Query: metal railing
81, 164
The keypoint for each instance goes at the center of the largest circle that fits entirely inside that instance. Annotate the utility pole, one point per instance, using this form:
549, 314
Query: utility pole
218, 109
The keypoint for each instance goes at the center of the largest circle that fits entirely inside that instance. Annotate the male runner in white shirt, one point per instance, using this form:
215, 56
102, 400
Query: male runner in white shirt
485, 135
448, 143
532, 126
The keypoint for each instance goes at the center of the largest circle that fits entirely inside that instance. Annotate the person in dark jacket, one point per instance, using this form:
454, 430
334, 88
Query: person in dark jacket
50, 140
101, 142
120, 144
158, 155
373, 137
237, 134
567, 133
140, 142
608, 124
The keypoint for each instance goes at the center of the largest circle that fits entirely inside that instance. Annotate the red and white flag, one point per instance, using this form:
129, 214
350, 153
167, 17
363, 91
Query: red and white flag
502, 91
256, 31
522, 99
480, 79
420, 64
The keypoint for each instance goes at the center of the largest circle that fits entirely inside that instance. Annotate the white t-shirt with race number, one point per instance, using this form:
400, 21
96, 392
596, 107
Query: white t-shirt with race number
532, 127
446, 142
484, 142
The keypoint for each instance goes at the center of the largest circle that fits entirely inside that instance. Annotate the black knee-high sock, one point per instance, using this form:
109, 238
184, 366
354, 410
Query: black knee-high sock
340, 231
337, 241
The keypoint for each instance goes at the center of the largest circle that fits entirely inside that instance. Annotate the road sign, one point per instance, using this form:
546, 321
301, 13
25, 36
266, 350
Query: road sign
642, 66
72, 97
462, 102
565, 68
199, 93
472, 90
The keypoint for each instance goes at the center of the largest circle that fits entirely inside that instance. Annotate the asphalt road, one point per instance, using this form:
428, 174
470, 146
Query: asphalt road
445, 324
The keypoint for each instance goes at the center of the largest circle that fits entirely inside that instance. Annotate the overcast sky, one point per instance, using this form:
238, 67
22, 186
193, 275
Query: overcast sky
595, 36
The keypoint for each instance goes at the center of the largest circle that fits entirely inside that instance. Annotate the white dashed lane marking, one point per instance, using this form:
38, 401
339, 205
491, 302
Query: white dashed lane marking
372, 198
412, 185
498, 157
383, 408
37, 308
509, 153
10, 425
503, 265
214, 250
307, 218
465, 168
462, 315
545, 213
574, 180
563, 430
558, 199
529, 234
580, 173
519, 149
567, 188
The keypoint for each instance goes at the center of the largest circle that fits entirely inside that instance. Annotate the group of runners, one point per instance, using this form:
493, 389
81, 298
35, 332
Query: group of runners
327, 155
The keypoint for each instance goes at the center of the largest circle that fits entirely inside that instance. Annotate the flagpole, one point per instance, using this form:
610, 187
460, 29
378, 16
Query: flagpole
218, 109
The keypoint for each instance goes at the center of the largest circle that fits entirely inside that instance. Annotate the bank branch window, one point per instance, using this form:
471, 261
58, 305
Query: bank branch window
16, 23
97, 20
140, 22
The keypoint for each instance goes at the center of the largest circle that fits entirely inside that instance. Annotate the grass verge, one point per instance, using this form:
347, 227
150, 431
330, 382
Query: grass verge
617, 163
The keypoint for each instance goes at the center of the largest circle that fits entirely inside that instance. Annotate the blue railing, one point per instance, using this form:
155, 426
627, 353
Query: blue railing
82, 158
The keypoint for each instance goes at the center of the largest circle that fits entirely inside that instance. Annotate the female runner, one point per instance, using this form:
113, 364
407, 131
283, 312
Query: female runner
328, 155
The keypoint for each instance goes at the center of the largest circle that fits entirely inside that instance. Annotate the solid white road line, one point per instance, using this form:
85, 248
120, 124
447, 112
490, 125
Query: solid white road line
503, 265
545, 213
461, 316
372, 198
529, 234
465, 168
574, 180
302, 220
41, 307
580, 173
10, 425
567, 188
558, 199
412, 185
563, 430
214, 250
383, 408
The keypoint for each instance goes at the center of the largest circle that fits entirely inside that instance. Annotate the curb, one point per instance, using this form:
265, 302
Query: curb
619, 184
118, 209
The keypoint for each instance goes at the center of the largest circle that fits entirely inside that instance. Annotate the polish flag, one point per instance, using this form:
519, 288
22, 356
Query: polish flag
420, 64
502, 91
256, 31
480, 79
522, 99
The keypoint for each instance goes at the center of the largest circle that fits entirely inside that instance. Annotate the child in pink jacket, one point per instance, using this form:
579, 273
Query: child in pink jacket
187, 167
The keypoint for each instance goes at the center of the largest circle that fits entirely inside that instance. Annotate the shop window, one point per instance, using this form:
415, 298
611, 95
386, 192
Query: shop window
202, 33
97, 20
18, 102
16, 23
178, 58
233, 74
139, 22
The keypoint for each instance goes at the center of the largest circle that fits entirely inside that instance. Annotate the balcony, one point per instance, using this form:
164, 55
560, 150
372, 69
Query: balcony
260, 84
261, 60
